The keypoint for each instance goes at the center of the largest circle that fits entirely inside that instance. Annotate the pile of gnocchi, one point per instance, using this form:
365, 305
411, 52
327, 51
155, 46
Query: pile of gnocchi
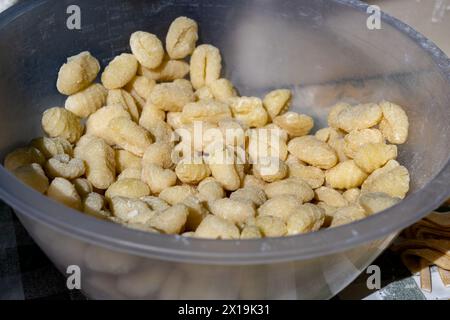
128, 150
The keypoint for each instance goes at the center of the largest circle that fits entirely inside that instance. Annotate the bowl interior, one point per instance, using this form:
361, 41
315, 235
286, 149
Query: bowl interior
322, 50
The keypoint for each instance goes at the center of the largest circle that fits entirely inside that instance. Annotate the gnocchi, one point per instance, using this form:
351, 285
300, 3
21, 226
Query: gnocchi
154, 150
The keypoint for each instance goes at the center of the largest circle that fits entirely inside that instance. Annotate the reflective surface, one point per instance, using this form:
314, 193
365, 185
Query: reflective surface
321, 49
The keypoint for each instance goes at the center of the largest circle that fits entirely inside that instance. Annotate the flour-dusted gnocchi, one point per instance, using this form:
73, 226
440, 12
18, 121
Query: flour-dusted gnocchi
233, 210
99, 159
128, 188
292, 186
87, 101
295, 124
61, 123
280, 206
190, 172
313, 151
129, 136
158, 178
349, 118
249, 110
313, 176
124, 99
277, 102
224, 169
147, 49
222, 89
357, 138
206, 65
172, 96
23, 156
77, 74
372, 156
177, 194
50, 147
65, 167
392, 179
395, 123
120, 71
345, 175
97, 123
214, 227
63, 191
168, 70
205, 110
307, 218
347, 215
330, 197
255, 195
156, 151
271, 226
32, 175
181, 38
374, 202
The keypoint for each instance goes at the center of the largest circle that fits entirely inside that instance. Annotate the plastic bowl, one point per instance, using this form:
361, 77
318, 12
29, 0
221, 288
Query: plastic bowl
322, 50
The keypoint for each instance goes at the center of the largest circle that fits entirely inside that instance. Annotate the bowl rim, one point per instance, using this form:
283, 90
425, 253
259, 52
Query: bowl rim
43, 210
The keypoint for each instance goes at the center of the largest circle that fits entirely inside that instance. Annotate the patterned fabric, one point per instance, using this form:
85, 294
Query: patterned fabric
25, 271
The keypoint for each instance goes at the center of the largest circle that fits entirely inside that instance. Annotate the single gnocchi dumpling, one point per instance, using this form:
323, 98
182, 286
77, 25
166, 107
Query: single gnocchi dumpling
372, 156
99, 159
124, 99
63, 191
349, 118
281, 206
78, 73
214, 227
190, 172
277, 102
120, 71
172, 96
86, 102
170, 221
158, 178
395, 123
345, 175
346, 215
292, 186
128, 188
249, 110
357, 138
222, 89
130, 210
232, 210
392, 179
65, 167
23, 156
307, 218
374, 202
330, 197
206, 65
295, 124
50, 147
61, 123
181, 38
313, 151
255, 195
313, 176
168, 70
271, 226
33, 176
147, 49
177, 194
